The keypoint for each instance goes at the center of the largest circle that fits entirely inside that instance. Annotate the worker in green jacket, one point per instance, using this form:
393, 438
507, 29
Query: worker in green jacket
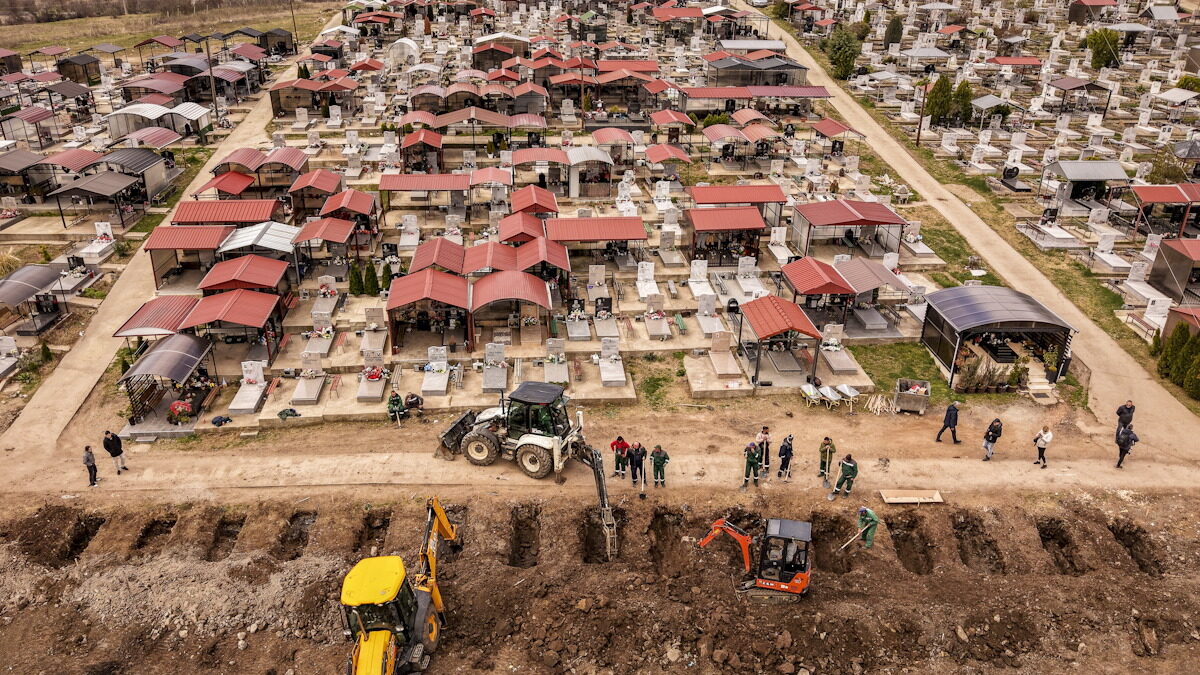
867, 522
658, 460
753, 461
849, 471
826, 451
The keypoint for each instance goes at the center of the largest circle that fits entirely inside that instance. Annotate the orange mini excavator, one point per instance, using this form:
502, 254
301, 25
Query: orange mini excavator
784, 559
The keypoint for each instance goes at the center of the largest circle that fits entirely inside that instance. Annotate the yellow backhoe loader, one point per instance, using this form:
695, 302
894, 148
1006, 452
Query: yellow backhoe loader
394, 618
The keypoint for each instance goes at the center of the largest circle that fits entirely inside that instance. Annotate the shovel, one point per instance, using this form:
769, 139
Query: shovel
851, 540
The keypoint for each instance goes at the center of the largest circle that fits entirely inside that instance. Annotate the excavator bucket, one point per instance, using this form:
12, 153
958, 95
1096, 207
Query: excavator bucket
594, 459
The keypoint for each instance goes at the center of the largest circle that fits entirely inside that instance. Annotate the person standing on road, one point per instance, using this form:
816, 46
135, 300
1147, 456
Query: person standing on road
950, 421
753, 459
826, 451
993, 433
1125, 416
620, 448
636, 457
868, 522
658, 461
763, 439
112, 445
1125, 440
89, 461
785, 460
1042, 439
849, 472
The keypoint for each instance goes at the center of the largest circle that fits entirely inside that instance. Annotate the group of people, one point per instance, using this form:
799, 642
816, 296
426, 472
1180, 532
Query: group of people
400, 408
631, 458
1125, 437
112, 445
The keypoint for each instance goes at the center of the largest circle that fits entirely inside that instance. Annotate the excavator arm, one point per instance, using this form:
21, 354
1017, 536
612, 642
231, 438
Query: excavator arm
593, 458
438, 528
739, 535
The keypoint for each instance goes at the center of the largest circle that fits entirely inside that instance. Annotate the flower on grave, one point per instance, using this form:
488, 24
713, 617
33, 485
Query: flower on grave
179, 408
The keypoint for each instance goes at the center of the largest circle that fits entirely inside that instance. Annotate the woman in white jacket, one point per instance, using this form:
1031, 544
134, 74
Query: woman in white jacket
1042, 439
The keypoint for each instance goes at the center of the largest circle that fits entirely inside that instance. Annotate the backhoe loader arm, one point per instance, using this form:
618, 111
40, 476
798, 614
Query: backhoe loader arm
739, 535
438, 528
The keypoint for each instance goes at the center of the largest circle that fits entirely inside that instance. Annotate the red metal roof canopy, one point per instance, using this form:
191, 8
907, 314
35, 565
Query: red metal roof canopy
248, 271
726, 219
350, 199
620, 228
520, 227
230, 182
320, 180
326, 229
441, 252
160, 316
738, 194
535, 199
771, 315
429, 284
846, 212
415, 182
809, 276
241, 307
509, 285
245, 211
187, 237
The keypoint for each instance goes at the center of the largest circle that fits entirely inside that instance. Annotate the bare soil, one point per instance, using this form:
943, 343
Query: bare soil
1074, 582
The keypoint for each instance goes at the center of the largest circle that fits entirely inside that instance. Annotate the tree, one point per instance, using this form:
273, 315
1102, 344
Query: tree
843, 50
1191, 383
1183, 360
894, 32
1106, 48
962, 101
47, 355
860, 30
1175, 345
370, 280
938, 101
356, 280
303, 72
1156, 344
1164, 170
1189, 82
385, 275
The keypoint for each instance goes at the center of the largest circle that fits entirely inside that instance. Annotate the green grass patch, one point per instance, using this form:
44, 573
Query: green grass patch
654, 389
885, 364
148, 222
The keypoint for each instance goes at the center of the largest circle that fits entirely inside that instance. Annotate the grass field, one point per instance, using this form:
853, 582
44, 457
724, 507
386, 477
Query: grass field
127, 31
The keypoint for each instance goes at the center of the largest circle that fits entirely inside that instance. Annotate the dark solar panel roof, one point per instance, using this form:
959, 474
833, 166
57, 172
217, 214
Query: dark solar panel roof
967, 307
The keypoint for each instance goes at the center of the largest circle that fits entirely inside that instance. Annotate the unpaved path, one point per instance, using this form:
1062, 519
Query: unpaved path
60, 396
1163, 422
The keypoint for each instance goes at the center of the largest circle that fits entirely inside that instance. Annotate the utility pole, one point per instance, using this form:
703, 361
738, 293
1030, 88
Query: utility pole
295, 27
212, 80
921, 115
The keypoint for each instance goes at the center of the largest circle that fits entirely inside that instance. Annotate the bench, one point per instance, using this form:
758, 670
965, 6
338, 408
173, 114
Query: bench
208, 400
339, 341
671, 289
334, 384
680, 323
273, 388
284, 341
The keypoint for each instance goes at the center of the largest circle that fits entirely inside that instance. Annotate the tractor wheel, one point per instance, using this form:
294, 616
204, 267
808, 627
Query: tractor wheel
480, 448
534, 460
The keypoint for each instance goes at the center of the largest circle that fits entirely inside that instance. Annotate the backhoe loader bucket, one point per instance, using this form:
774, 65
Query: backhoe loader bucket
594, 459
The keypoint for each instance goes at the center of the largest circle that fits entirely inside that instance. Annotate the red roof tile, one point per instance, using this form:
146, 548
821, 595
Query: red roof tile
491, 256
241, 307
846, 212
429, 137
534, 199
230, 182
75, 160
248, 271
33, 114
556, 155
509, 285
809, 276
320, 180
350, 199
662, 152
770, 315
160, 316
187, 237
620, 228
1186, 193
1188, 247
520, 227
439, 251
326, 229
738, 194
429, 284
609, 65
542, 250
611, 135
670, 117
831, 128
414, 182
726, 219
244, 211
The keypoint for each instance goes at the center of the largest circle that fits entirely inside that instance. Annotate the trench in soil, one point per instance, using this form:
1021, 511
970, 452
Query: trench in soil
153, 536
1138, 544
82, 532
294, 538
458, 515
592, 539
224, 537
828, 533
373, 532
911, 544
667, 550
525, 536
748, 521
1057, 541
976, 549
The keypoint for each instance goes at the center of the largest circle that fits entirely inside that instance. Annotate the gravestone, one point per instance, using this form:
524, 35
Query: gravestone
495, 369
721, 358
311, 382
555, 369
437, 375
612, 368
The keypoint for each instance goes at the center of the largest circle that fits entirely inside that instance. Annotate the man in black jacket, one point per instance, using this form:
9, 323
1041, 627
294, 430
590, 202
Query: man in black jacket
1125, 416
950, 421
637, 467
1125, 440
785, 460
112, 444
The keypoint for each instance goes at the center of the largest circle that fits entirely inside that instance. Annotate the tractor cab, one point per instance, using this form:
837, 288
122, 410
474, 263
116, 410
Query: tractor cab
783, 561
379, 613
537, 408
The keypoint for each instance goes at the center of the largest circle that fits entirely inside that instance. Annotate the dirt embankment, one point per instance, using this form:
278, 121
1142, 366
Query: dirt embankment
1038, 583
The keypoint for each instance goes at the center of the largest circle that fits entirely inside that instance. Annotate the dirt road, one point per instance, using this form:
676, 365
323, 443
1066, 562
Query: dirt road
1116, 376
